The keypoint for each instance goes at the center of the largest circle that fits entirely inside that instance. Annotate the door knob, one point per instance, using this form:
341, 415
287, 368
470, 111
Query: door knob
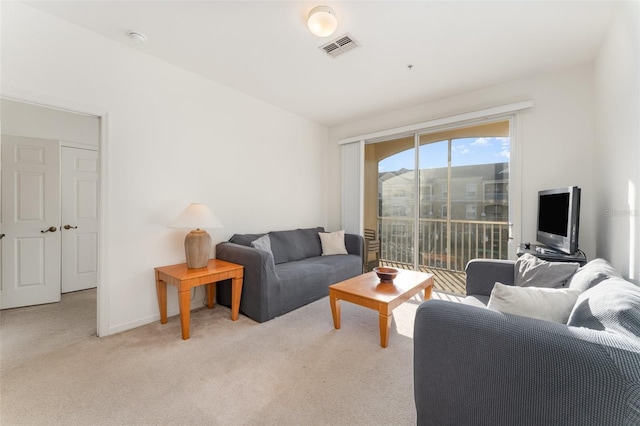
51, 229
1, 236
70, 227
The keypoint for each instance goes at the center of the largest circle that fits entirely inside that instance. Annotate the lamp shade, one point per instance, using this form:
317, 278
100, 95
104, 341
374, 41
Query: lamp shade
322, 21
196, 216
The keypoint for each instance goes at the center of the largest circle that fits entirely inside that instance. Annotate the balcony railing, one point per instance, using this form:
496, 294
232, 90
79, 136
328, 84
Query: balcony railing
496, 196
469, 239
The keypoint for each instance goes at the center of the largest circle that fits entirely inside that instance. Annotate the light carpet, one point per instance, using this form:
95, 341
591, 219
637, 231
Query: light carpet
296, 369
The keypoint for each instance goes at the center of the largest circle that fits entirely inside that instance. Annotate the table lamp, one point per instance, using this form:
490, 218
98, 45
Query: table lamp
197, 243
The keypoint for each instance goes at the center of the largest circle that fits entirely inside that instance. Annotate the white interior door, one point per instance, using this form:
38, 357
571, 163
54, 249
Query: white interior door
30, 220
79, 226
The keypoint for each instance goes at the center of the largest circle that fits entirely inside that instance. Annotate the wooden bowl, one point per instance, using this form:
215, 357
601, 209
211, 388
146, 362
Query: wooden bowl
386, 275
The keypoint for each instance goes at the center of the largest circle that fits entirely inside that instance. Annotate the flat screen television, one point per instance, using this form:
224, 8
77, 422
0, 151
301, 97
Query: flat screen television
559, 218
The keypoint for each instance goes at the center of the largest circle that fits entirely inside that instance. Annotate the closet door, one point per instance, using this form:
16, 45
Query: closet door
79, 226
30, 221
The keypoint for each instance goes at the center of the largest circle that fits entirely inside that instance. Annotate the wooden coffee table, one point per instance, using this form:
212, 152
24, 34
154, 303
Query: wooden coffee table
367, 290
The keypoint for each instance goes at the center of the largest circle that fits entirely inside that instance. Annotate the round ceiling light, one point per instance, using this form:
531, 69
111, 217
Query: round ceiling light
322, 21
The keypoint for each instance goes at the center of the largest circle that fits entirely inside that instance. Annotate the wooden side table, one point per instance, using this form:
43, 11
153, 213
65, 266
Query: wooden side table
184, 279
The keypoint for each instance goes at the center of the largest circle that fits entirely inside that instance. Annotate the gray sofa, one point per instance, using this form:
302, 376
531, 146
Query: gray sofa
292, 275
475, 366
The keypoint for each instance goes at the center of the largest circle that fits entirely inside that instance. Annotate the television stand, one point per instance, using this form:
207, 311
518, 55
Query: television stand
550, 255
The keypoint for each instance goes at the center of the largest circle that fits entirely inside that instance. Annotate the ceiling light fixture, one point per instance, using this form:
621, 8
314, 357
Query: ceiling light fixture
322, 21
137, 37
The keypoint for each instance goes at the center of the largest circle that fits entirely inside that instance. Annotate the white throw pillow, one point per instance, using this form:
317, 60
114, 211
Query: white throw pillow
534, 272
332, 243
549, 304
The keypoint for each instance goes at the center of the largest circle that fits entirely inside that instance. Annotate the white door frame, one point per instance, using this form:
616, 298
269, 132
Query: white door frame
102, 326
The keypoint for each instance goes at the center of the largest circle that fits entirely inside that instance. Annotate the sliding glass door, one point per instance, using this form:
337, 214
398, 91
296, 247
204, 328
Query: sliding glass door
440, 198
434, 238
395, 179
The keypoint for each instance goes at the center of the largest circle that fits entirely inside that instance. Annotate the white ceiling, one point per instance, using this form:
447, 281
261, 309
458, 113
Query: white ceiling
264, 49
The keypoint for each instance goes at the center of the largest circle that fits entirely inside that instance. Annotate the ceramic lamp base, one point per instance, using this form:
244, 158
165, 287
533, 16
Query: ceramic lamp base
197, 247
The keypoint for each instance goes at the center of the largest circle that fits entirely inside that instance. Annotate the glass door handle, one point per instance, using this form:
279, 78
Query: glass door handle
70, 227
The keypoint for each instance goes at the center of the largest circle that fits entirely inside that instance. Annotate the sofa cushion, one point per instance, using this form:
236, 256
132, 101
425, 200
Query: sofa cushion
534, 272
613, 305
332, 243
591, 274
262, 243
297, 244
550, 304
244, 239
479, 300
307, 280
340, 267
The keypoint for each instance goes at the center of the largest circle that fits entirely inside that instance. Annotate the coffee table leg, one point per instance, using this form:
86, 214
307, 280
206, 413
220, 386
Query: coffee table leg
427, 292
385, 327
335, 312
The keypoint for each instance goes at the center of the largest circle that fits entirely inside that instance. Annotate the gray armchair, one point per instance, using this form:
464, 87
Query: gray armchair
475, 366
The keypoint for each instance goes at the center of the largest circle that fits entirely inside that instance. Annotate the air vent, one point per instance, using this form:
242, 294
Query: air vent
341, 45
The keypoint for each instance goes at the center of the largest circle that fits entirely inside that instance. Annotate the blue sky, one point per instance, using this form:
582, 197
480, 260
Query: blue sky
464, 152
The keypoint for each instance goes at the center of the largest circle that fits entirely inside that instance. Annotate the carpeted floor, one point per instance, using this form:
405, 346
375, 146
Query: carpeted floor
295, 369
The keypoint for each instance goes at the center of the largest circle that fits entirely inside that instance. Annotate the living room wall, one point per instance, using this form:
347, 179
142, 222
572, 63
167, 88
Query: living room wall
617, 161
174, 138
555, 139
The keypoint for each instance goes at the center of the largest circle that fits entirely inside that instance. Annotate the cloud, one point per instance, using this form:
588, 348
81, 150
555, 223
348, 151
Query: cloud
505, 153
481, 142
464, 151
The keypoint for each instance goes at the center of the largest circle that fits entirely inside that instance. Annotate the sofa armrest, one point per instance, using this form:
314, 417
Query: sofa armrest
354, 244
482, 274
259, 278
477, 366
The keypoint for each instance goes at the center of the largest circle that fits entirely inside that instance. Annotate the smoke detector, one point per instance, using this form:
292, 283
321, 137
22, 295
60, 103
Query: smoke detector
137, 37
341, 45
